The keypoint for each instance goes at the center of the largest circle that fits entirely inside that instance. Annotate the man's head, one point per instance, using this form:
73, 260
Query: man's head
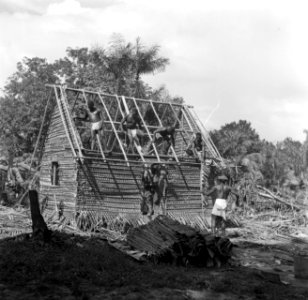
171, 129
222, 179
134, 111
198, 135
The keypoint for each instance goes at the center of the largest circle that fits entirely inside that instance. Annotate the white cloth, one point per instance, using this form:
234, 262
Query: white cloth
132, 132
97, 125
219, 208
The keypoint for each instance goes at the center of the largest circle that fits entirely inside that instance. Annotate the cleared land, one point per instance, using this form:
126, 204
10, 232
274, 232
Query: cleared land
85, 267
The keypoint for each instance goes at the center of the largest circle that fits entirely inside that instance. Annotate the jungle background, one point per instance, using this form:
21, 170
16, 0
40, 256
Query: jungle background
118, 69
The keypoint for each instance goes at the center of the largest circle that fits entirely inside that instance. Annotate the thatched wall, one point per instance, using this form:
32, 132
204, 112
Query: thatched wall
113, 187
57, 149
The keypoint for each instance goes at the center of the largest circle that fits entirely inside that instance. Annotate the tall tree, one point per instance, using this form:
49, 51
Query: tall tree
236, 139
115, 69
119, 62
22, 107
84, 68
290, 155
146, 60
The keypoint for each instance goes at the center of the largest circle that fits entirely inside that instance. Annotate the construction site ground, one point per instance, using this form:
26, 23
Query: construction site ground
76, 265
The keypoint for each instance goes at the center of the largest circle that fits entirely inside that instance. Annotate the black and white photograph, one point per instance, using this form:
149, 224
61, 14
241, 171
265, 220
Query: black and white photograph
153, 149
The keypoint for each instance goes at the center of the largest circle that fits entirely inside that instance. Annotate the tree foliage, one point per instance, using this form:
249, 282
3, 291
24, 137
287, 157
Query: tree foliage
275, 164
236, 139
116, 69
22, 107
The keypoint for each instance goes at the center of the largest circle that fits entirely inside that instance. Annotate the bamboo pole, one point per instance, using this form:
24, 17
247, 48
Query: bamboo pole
178, 120
100, 147
127, 111
110, 95
64, 123
77, 96
114, 129
188, 164
187, 120
147, 130
110, 136
208, 140
71, 124
161, 124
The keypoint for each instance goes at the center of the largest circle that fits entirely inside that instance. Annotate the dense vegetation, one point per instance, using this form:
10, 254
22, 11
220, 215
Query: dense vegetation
118, 68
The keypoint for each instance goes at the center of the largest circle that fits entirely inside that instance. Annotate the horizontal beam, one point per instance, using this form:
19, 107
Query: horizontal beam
149, 162
110, 95
149, 126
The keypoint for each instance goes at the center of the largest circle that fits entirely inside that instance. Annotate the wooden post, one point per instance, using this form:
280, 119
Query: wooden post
39, 227
64, 122
72, 110
113, 127
71, 124
146, 128
127, 111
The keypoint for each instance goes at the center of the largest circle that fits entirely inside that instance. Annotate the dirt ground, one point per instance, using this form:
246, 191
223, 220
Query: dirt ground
74, 267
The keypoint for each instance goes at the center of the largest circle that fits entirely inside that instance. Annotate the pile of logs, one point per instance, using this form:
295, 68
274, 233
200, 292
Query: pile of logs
168, 241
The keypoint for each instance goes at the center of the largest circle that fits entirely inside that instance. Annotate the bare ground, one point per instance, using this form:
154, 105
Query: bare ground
74, 267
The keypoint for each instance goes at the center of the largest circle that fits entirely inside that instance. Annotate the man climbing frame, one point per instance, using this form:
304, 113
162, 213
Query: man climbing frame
95, 116
195, 147
218, 216
131, 123
167, 133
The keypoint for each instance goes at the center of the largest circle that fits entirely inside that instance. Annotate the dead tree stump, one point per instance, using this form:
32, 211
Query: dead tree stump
39, 227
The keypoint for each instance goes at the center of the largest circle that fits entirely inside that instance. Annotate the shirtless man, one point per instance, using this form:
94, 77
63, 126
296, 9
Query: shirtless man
95, 116
148, 192
167, 133
132, 123
160, 182
222, 191
196, 146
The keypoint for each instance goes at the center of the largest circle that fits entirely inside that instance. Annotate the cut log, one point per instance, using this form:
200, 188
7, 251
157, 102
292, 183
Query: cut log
39, 227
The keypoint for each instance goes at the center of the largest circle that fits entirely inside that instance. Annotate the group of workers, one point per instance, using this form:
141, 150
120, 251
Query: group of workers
155, 184
154, 177
131, 124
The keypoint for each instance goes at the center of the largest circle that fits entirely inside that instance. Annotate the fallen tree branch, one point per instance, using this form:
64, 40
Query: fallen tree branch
270, 195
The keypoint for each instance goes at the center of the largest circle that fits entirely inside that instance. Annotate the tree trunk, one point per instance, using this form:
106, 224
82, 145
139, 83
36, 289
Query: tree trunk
39, 227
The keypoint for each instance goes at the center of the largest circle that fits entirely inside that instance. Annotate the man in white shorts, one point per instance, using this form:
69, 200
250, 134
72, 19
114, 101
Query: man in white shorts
222, 191
95, 116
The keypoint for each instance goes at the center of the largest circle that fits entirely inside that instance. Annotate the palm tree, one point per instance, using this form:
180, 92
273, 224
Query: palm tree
119, 61
146, 60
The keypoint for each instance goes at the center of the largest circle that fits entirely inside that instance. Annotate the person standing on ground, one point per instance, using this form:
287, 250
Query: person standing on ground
222, 191
148, 192
160, 182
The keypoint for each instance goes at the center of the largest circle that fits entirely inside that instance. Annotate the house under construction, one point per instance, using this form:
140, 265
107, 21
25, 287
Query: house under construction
76, 179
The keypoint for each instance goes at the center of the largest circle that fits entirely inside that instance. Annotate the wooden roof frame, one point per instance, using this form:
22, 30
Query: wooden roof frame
188, 115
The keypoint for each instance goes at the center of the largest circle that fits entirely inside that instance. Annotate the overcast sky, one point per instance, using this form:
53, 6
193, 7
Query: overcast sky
231, 60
